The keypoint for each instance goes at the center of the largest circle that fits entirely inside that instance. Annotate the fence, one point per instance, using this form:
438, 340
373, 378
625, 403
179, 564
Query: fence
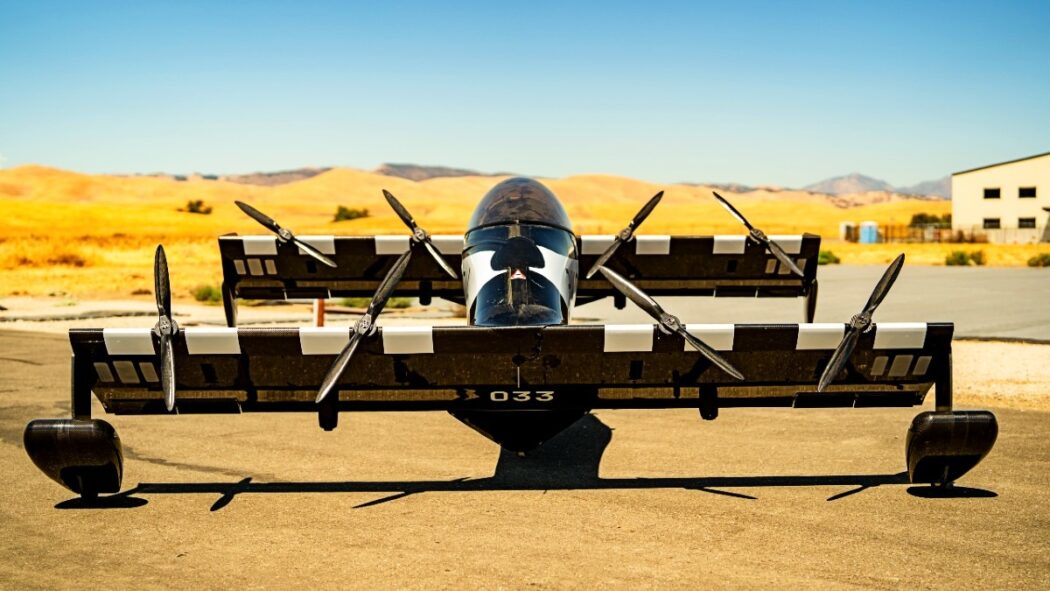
940, 233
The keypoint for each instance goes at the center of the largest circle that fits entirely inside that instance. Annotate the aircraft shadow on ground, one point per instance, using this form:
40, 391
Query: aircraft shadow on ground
570, 461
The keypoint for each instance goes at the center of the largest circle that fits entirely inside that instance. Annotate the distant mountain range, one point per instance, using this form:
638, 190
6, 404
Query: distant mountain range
858, 183
850, 184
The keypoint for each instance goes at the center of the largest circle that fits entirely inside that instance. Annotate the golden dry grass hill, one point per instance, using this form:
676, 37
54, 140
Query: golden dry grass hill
93, 235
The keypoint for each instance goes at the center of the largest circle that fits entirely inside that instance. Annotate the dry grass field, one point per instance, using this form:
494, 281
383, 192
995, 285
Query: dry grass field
93, 235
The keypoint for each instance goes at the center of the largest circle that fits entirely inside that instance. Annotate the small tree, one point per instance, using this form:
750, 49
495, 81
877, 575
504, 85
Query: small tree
346, 213
197, 206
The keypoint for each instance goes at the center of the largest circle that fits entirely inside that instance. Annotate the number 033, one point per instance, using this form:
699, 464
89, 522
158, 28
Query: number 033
521, 396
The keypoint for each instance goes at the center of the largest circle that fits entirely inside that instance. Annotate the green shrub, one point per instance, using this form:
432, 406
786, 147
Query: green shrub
926, 219
363, 302
826, 257
196, 206
346, 213
1040, 260
207, 293
961, 258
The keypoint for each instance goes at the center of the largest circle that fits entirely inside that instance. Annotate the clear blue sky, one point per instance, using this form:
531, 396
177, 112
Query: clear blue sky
752, 92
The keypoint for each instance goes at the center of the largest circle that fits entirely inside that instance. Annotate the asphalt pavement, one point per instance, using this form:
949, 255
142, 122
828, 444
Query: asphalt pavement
642, 499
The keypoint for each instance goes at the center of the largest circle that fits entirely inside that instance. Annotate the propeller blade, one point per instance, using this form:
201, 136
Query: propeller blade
386, 287
666, 320
839, 358
440, 260
783, 257
336, 371
400, 210
310, 250
167, 371
710, 353
733, 211
860, 323
760, 236
418, 234
626, 234
260, 217
882, 288
365, 323
161, 285
639, 297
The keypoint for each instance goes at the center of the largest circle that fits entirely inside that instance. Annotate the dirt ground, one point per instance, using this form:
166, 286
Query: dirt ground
638, 499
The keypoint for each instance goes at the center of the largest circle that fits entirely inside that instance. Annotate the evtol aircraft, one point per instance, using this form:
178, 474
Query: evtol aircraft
519, 372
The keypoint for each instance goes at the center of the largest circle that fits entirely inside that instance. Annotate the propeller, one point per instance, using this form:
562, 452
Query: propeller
760, 237
365, 325
626, 234
858, 324
166, 328
419, 235
283, 234
668, 322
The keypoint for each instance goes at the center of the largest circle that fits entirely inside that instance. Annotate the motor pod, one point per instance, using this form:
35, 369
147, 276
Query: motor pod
82, 455
942, 446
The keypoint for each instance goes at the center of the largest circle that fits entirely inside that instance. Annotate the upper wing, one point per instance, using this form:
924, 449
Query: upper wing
261, 267
702, 265
465, 367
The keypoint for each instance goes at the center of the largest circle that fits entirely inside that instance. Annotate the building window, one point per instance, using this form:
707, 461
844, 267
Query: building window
991, 223
1026, 192
1026, 222
991, 193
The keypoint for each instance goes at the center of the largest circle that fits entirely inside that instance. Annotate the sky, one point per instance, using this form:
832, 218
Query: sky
773, 93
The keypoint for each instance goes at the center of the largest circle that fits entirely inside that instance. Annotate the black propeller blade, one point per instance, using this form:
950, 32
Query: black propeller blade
760, 237
667, 321
165, 327
366, 324
283, 234
858, 324
419, 235
626, 234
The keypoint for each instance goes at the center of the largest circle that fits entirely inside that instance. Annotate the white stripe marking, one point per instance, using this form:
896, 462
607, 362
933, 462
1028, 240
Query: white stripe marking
259, 245
386, 245
595, 244
448, 244
628, 337
718, 336
328, 340
900, 335
212, 341
128, 341
819, 336
655, 244
325, 244
398, 340
729, 245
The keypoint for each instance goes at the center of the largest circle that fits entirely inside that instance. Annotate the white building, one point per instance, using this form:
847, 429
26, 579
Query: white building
1007, 202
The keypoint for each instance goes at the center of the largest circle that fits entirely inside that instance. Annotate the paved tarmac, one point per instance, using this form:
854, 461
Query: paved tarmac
639, 499
982, 302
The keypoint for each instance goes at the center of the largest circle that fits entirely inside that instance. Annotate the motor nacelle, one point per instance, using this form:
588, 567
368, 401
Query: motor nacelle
942, 446
82, 455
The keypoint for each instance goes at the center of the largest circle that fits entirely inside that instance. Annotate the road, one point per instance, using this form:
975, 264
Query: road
758, 498
982, 302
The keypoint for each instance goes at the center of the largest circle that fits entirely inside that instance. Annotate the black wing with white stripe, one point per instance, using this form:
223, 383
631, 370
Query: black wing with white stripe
262, 267
451, 368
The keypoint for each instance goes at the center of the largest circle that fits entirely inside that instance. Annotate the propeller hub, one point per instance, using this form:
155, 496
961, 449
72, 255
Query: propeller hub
284, 235
419, 234
165, 326
670, 322
626, 234
759, 236
860, 321
364, 325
